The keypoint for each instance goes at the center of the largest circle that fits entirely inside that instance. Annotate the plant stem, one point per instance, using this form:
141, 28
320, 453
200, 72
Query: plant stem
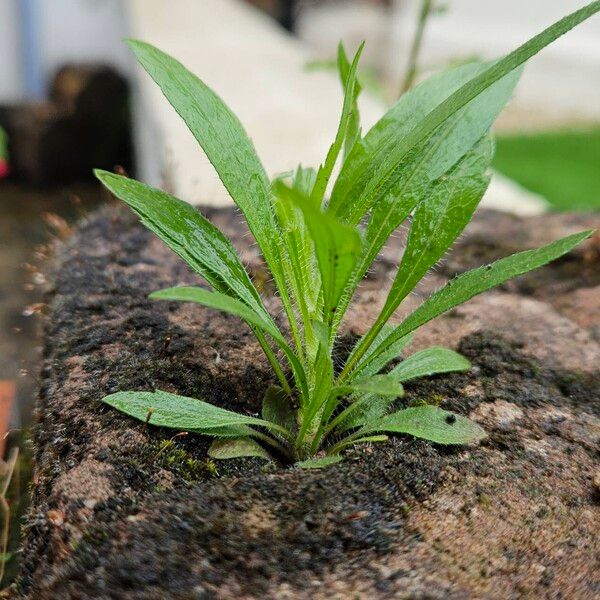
411, 70
273, 361
272, 442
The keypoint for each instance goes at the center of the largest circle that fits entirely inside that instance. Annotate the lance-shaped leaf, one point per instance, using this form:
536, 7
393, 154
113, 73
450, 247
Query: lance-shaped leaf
361, 411
232, 306
429, 423
195, 239
319, 463
466, 286
439, 220
429, 160
353, 129
180, 412
423, 128
223, 139
223, 449
431, 361
370, 364
337, 247
326, 169
382, 385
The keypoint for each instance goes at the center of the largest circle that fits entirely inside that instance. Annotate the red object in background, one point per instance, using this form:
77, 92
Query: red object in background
4, 168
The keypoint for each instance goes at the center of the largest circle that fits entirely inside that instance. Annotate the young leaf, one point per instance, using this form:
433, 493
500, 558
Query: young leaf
324, 173
363, 410
466, 286
223, 449
230, 305
195, 239
353, 128
337, 247
319, 463
431, 361
430, 423
382, 385
179, 412
223, 139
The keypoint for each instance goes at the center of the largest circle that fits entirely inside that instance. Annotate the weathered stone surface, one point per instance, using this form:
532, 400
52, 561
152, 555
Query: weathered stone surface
122, 510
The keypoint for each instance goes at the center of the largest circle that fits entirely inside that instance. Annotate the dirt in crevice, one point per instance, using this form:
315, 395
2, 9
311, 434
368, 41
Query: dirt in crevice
125, 510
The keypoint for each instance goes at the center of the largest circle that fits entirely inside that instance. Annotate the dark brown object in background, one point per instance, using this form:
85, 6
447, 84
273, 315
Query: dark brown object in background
87, 124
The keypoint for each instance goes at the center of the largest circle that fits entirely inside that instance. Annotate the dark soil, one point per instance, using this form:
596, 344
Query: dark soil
124, 510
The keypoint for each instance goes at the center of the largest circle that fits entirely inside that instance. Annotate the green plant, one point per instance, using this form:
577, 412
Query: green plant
426, 159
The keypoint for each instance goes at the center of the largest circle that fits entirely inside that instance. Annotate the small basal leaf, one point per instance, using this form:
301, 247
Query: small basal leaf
277, 408
382, 385
430, 362
178, 412
223, 449
429, 423
319, 463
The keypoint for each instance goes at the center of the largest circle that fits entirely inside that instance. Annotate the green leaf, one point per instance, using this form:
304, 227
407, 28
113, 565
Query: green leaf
353, 129
439, 220
431, 361
431, 161
230, 305
363, 410
426, 126
222, 302
324, 173
426, 162
237, 448
430, 423
277, 408
179, 412
319, 463
370, 364
195, 239
382, 385
466, 286
223, 139
337, 247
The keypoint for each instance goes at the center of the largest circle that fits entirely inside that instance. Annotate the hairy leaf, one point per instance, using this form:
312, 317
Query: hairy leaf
195, 239
230, 305
453, 103
465, 286
431, 361
382, 385
223, 449
324, 173
221, 136
179, 412
430, 423
319, 463
353, 129
363, 410
439, 220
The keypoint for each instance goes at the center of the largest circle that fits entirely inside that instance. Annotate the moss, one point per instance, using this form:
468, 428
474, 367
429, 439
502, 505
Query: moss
181, 463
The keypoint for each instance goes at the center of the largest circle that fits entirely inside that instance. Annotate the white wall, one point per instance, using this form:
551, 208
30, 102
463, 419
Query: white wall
563, 80
82, 31
67, 31
10, 77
